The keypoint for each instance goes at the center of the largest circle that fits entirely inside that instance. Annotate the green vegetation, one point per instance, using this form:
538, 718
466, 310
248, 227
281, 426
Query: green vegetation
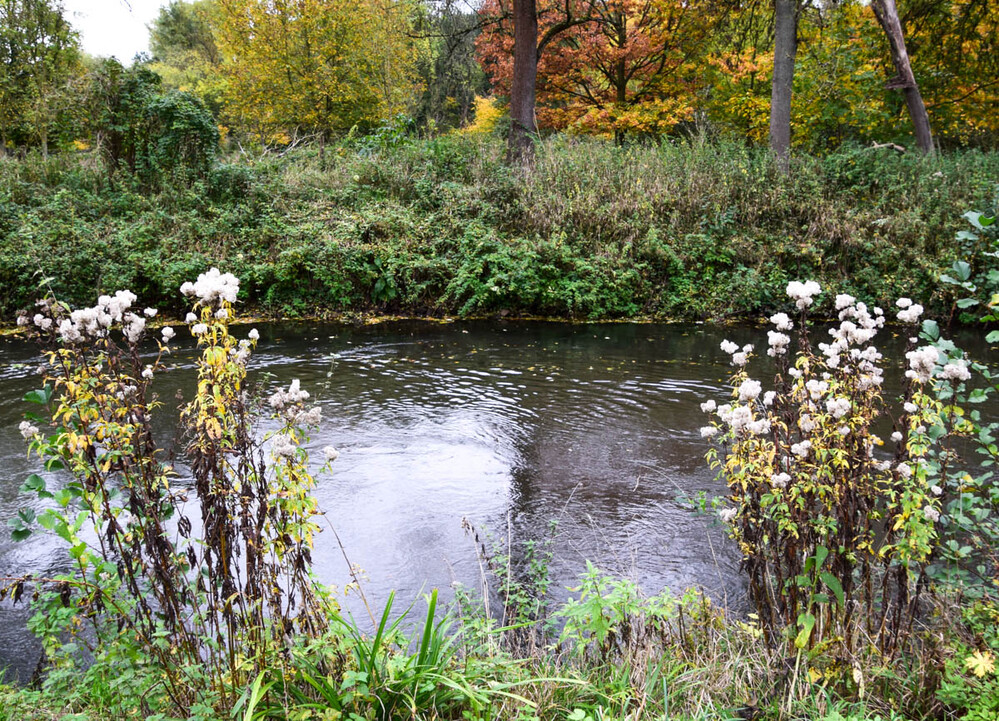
850, 623
395, 224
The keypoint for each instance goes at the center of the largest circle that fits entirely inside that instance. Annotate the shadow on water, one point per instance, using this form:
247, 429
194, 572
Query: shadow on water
507, 424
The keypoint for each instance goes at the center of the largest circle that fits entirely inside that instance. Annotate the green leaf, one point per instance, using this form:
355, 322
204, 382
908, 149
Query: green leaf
33, 484
806, 622
962, 270
21, 534
833, 584
40, 396
978, 396
992, 337
931, 331
975, 219
966, 302
821, 554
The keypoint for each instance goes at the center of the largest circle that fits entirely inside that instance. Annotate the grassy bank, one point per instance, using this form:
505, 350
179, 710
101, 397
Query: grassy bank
442, 226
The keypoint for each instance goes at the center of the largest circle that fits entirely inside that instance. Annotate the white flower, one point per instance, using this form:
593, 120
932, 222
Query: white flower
769, 397
936, 490
781, 321
922, 362
838, 407
955, 371
794, 372
133, 327
740, 359
150, 312
758, 427
708, 406
199, 329
780, 480
801, 449
896, 436
293, 396
147, 373
910, 408
802, 293
778, 343
816, 388
311, 417
728, 514
28, 431
911, 314
168, 333
331, 453
843, 301
903, 303
844, 430
708, 431
931, 513
806, 424
222, 314
213, 286
729, 347
749, 390
191, 318
254, 334
282, 446
904, 470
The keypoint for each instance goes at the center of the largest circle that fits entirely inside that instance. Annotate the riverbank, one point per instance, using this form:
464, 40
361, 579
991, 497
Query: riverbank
443, 227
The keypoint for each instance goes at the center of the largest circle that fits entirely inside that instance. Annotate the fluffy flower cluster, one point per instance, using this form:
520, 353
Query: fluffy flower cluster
922, 362
285, 398
955, 371
803, 293
749, 390
95, 322
330, 453
910, 311
838, 407
781, 321
739, 357
28, 431
282, 446
213, 286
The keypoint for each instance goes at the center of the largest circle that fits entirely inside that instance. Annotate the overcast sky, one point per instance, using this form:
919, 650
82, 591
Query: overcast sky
113, 27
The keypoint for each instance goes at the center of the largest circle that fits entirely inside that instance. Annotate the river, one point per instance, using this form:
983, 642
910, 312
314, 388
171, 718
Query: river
511, 425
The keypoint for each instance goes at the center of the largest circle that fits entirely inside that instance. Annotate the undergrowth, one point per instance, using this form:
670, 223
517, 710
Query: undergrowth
686, 230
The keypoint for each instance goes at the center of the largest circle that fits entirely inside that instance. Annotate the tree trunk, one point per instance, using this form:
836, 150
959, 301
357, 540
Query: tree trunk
785, 49
525, 75
887, 15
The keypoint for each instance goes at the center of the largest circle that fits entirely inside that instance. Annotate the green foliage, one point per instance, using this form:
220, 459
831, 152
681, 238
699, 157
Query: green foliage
147, 133
400, 224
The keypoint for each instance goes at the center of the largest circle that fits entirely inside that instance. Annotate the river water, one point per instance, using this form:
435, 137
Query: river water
511, 425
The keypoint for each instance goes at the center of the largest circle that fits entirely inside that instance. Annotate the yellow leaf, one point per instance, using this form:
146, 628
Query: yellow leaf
980, 663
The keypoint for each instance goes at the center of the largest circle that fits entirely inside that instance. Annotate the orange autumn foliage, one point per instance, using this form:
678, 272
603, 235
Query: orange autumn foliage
630, 67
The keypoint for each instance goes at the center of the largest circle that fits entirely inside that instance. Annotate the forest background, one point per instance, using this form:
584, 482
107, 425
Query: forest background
351, 155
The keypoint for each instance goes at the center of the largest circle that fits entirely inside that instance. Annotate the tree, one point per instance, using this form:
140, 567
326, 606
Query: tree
39, 53
520, 30
184, 50
449, 71
314, 66
629, 69
785, 48
887, 15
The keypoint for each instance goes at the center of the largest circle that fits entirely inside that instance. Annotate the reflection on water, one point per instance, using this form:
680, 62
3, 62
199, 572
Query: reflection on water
510, 425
